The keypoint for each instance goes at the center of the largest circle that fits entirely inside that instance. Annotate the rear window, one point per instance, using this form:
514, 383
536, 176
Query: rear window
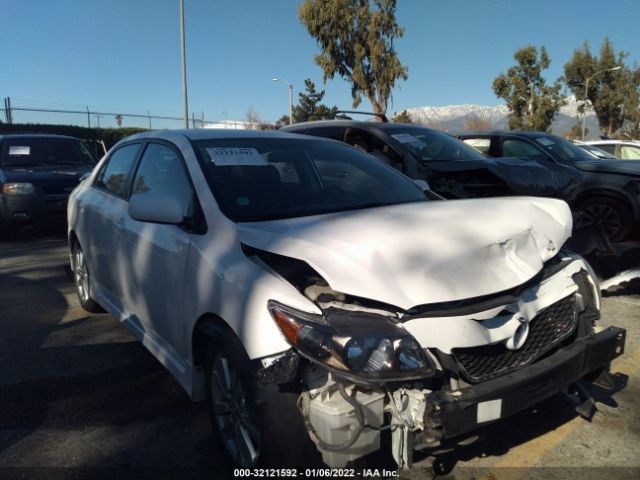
34, 152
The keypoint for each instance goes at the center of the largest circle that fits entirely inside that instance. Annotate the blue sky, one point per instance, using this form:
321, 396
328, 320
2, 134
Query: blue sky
124, 55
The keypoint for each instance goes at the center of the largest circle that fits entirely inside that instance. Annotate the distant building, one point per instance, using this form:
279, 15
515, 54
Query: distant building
233, 125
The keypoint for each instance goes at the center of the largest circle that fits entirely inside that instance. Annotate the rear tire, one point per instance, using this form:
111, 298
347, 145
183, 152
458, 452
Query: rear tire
613, 215
82, 280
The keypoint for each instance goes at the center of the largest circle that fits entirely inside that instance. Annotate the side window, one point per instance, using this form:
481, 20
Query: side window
161, 171
359, 139
114, 174
483, 145
370, 143
629, 153
518, 148
335, 133
608, 148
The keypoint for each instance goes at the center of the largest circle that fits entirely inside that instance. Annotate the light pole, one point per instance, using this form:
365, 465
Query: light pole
184, 67
275, 79
586, 96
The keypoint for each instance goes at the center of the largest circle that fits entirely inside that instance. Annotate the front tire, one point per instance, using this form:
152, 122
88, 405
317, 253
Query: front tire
82, 280
269, 432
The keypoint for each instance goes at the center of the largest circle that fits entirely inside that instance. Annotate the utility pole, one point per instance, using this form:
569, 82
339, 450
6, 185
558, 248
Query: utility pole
184, 67
290, 85
586, 96
149, 116
7, 110
88, 117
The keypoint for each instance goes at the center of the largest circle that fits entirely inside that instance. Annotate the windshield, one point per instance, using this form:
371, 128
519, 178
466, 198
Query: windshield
34, 152
256, 179
561, 149
430, 145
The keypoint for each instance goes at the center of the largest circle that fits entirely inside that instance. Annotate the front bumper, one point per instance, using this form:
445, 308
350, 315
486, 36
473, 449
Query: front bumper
452, 415
33, 209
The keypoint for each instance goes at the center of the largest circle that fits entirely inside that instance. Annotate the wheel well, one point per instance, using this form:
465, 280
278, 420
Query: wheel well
207, 327
73, 239
587, 194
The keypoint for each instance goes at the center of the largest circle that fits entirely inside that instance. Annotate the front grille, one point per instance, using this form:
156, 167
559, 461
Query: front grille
546, 331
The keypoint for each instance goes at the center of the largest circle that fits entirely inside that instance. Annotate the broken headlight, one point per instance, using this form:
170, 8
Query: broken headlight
362, 345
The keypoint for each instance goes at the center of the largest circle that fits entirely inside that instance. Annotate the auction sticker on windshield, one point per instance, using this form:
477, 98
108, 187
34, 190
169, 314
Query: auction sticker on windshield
405, 138
19, 150
231, 156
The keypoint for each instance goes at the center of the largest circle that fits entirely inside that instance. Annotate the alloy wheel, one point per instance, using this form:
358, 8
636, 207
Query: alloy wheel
81, 275
233, 414
600, 214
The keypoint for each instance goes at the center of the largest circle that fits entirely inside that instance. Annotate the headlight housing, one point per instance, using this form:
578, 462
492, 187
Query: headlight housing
17, 188
358, 345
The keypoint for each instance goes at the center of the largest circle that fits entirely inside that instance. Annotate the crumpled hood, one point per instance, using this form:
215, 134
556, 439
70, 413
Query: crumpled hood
426, 252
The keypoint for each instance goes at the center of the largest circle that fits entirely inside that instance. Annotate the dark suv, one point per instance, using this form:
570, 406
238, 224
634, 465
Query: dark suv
608, 194
596, 194
37, 174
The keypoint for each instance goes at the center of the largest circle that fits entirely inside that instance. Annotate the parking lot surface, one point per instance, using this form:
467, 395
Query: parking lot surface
81, 398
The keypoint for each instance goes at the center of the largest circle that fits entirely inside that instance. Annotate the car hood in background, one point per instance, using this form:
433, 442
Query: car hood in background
59, 175
525, 176
623, 167
425, 252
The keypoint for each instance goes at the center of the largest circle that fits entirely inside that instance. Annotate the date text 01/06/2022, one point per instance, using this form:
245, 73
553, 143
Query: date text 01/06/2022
314, 473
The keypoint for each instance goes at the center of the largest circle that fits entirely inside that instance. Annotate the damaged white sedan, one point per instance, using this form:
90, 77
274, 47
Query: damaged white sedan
316, 297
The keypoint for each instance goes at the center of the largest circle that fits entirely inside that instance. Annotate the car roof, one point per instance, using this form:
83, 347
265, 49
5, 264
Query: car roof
10, 135
349, 123
211, 134
512, 133
634, 143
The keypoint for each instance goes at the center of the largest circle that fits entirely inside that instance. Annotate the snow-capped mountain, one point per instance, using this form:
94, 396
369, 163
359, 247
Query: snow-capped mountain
454, 117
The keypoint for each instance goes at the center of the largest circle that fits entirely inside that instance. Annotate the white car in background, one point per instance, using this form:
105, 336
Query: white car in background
622, 149
314, 296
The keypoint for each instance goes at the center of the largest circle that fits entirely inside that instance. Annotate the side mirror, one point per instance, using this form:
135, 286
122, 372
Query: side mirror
156, 208
423, 184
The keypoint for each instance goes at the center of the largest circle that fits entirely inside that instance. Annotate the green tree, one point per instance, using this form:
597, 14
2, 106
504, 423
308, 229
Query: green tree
357, 43
532, 102
282, 121
402, 117
309, 105
614, 94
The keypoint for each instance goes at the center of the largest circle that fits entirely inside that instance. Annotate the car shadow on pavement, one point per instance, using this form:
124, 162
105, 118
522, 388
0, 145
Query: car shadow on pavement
62, 379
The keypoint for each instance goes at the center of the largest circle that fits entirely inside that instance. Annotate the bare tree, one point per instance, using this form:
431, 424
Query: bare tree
477, 123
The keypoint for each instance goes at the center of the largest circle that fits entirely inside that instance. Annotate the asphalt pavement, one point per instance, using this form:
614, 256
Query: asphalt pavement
81, 398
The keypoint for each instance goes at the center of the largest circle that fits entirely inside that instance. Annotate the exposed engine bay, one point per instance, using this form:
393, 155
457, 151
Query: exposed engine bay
436, 373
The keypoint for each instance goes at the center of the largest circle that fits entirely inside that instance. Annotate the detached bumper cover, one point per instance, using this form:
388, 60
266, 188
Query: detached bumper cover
512, 393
